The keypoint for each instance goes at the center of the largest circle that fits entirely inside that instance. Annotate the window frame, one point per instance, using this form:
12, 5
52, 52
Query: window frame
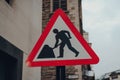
61, 4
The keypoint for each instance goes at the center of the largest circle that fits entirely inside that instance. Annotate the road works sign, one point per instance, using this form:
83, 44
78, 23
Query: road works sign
61, 44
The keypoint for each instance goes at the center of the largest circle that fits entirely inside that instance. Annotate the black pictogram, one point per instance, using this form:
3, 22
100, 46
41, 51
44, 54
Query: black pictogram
65, 37
46, 52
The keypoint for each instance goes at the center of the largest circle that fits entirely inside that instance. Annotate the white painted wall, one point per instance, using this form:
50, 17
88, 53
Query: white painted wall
21, 25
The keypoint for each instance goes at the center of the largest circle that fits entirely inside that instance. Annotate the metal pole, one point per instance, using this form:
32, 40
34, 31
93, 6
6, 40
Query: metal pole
60, 73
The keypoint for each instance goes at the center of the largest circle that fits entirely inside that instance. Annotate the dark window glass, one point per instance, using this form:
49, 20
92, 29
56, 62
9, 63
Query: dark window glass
59, 4
64, 4
55, 4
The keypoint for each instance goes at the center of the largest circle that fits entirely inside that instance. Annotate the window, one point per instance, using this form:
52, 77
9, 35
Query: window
8, 67
11, 60
64, 4
59, 4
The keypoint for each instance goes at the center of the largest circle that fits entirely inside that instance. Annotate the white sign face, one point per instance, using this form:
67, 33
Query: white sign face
68, 54
61, 44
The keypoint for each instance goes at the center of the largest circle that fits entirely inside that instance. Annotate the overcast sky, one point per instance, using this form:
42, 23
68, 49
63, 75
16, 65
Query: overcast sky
101, 19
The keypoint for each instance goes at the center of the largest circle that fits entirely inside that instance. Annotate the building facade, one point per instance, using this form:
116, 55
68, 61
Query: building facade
73, 9
114, 75
87, 72
20, 28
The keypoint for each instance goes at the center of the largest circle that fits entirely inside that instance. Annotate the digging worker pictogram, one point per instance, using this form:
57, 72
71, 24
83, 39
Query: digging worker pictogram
64, 36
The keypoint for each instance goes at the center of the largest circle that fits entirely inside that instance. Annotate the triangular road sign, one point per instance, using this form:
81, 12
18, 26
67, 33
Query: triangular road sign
61, 44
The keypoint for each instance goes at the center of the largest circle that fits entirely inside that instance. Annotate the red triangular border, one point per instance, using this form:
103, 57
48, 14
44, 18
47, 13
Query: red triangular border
94, 58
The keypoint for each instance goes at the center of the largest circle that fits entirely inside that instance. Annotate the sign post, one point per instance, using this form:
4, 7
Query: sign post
60, 73
61, 44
